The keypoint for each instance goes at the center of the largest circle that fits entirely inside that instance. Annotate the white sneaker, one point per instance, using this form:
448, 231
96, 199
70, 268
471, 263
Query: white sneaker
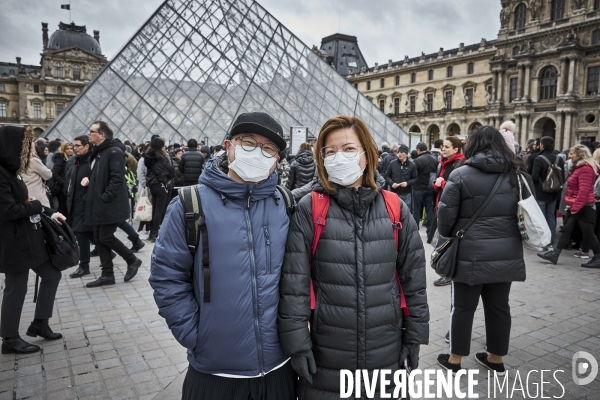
144, 235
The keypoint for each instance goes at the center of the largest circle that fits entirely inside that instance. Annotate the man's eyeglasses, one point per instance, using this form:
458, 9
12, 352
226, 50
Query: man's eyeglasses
249, 144
92, 131
76, 146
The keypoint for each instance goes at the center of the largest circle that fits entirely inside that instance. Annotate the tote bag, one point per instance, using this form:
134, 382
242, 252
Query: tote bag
532, 223
143, 207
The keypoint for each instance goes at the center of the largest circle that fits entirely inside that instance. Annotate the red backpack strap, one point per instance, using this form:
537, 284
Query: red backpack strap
320, 206
394, 209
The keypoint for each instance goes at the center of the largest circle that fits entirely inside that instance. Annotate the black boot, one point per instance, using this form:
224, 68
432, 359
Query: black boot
153, 236
81, 271
18, 346
94, 253
593, 263
103, 280
132, 269
551, 256
40, 327
137, 245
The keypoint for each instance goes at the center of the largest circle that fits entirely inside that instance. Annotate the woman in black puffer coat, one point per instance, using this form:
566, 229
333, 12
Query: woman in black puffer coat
159, 179
357, 321
490, 255
302, 169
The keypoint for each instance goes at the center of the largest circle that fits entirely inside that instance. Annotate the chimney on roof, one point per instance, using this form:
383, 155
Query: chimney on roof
97, 36
45, 34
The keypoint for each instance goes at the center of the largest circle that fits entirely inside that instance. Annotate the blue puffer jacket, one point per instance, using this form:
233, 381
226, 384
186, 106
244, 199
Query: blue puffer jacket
236, 333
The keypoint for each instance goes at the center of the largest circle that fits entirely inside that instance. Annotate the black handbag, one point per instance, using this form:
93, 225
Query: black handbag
443, 258
60, 242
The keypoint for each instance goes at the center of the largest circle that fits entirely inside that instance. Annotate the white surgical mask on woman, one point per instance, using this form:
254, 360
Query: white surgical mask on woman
251, 166
342, 169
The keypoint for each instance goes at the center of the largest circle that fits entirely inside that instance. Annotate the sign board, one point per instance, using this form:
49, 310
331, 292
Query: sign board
298, 135
415, 138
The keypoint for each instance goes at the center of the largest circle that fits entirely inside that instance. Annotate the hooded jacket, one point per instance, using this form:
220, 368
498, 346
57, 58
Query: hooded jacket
159, 170
107, 201
426, 163
301, 170
76, 193
581, 185
491, 250
191, 164
357, 322
539, 173
236, 332
22, 245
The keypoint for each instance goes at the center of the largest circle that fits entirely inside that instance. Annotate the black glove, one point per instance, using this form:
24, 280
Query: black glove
410, 352
304, 364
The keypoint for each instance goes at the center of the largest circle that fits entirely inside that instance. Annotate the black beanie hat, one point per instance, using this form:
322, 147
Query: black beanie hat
157, 143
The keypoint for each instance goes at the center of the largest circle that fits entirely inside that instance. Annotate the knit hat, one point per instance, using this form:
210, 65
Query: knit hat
157, 143
403, 148
509, 138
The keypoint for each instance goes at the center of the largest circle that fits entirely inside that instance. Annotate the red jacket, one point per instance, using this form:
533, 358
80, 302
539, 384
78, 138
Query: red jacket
581, 185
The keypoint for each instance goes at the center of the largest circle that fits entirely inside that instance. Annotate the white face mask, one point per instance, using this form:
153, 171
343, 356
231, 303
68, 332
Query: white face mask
343, 170
251, 166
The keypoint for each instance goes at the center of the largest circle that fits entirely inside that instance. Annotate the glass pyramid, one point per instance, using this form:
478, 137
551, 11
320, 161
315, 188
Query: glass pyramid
197, 64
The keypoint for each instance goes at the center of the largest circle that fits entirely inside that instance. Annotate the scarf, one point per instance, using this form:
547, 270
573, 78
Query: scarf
446, 162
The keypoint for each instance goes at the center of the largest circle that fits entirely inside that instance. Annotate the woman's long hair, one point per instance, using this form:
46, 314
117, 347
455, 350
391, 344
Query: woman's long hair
63, 148
583, 152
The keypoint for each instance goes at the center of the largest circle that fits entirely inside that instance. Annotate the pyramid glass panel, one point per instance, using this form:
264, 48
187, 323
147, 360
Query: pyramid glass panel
197, 64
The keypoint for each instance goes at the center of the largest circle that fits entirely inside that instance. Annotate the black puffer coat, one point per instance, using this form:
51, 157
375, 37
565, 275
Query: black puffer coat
76, 193
107, 198
357, 322
491, 250
302, 170
159, 170
191, 164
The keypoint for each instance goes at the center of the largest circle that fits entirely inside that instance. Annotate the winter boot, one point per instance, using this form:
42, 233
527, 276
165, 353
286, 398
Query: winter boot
551, 256
40, 327
593, 263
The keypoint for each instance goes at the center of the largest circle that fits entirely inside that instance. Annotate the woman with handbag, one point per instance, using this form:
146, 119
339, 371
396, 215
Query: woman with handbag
357, 322
35, 177
479, 208
159, 179
580, 204
23, 246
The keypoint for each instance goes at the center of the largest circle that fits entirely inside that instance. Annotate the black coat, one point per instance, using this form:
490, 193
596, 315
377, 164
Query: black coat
357, 322
426, 163
302, 170
59, 169
159, 170
491, 250
76, 193
540, 171
107, 199
398, 172
191, 165
22, 243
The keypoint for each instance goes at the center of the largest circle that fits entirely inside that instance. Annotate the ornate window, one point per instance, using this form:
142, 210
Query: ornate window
470, 68
429, 101
396, 105
368, 85
558, 9
382, 83
59, 108
398, 78
548, 83
356, 86
37, 110
449, 72
2, 109
430, 75
514, 84
413, 77
76, 72
469, 97
2, 88
93, 72
596, 36
448, 100
515, 51
58, 71
593, 81
413, 103
596, 4
59, 90
520, 13
382, 105
36, 88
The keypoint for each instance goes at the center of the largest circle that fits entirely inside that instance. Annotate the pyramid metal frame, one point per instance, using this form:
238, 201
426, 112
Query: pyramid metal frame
197, 64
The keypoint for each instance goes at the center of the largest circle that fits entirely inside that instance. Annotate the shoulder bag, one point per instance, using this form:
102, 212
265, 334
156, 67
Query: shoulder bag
443, 258
532, 223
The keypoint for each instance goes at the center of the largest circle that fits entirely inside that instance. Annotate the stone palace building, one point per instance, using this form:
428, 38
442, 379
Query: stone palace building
542, 71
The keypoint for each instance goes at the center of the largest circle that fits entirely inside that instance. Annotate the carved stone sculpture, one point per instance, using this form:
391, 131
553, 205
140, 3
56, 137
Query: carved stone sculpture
505, 17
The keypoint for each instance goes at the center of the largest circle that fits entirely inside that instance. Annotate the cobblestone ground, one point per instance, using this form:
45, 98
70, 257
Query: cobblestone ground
115, 345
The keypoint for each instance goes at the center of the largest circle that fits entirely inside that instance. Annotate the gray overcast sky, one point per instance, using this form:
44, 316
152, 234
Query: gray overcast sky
385, 28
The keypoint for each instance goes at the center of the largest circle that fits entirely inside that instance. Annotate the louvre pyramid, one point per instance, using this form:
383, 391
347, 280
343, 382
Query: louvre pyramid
197, 64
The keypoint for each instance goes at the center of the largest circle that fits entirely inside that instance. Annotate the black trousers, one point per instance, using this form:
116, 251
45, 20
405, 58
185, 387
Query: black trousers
83, 241
276, 385
160, 201
129, 230
104, 235
496, 311
586, 219
14, 297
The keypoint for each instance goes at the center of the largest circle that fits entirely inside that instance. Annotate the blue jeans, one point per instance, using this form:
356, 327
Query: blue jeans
549, 210
423, 198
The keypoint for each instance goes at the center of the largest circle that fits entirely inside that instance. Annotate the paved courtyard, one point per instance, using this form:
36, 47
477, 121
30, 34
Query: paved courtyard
115, 345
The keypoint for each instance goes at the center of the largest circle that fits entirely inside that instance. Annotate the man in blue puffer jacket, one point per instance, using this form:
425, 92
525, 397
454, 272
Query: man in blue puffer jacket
234, 335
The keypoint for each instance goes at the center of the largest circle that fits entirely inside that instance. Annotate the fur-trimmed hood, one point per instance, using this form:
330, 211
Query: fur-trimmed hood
15, 147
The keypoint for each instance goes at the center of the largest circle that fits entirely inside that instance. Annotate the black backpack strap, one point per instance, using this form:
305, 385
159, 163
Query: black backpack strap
288, 197
195, 225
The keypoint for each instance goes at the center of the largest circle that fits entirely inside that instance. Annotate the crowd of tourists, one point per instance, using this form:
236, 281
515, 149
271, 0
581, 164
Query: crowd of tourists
283, 269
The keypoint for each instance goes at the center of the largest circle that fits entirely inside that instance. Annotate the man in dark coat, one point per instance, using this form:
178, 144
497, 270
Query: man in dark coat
422, 193
401, 175
191, 163
302, 168
107, 202
535, 151
547, 201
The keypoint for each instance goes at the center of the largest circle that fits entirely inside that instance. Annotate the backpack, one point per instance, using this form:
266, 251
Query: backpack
60, 242
554, 179
597, 188
195, 224
320, 206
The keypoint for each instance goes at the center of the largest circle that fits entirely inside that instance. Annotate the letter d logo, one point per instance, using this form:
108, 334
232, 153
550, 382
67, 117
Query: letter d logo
583, 367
